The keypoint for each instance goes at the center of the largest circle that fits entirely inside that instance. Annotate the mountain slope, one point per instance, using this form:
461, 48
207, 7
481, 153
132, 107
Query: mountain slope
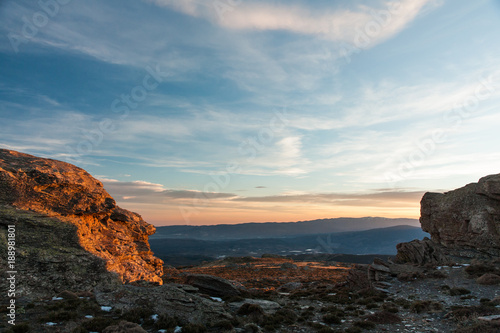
278, 229
375, 241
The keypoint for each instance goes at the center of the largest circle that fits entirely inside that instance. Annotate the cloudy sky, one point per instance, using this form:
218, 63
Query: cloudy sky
228, 111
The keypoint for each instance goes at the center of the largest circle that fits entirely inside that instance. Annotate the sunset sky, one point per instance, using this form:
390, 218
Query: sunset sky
229, 111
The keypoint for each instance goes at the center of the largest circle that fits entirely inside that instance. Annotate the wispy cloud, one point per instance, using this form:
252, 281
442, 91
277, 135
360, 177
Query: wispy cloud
379, 198
338, 25
155, 194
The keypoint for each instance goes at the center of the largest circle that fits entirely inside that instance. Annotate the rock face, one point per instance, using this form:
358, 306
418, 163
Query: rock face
49, 258
466, 220
464, 224
71, 195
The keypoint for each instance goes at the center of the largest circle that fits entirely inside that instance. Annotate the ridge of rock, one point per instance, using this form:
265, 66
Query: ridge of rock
70, 194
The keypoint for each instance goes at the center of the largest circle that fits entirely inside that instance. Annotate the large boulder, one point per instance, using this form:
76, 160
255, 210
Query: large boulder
464, 224
465, 221
70, 195
421, 252
214, 285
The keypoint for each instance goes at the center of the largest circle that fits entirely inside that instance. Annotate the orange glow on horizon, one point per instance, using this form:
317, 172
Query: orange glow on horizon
162, 216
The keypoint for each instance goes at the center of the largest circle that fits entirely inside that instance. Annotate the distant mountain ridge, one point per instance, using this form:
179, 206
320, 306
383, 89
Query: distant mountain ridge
278, 229
383, 241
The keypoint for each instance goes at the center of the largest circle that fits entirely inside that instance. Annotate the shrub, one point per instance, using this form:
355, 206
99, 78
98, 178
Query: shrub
384, 317
488, 279
286, 316
458, 291
19, 328
306, 314
365, 324
223, 325
483, 327
248, 308
166, 322
435, 274
331, 318
60, 315
66, 294
79, 329
326, 330
477, 269
467, 312
194, 328
403, 302
317, 326
390, 307
252, 328
137, 315
426, 306
98, 324
353, 329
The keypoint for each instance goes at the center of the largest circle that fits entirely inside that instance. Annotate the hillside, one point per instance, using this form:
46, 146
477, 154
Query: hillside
376, 241
278, 229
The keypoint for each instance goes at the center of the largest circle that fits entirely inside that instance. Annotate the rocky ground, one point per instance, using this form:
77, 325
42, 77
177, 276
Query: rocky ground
300, 297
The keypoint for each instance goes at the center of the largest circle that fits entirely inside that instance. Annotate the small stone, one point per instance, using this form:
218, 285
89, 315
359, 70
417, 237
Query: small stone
489, 318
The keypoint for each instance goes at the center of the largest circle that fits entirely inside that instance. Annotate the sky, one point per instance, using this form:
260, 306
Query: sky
230, 111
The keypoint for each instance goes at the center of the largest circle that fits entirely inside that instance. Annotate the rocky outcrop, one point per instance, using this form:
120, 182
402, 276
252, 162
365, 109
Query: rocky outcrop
421, 252
467, 220
69, 194
464, 224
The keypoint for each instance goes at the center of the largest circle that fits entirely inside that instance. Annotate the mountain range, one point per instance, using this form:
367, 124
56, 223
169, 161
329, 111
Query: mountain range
178, 251
278, 229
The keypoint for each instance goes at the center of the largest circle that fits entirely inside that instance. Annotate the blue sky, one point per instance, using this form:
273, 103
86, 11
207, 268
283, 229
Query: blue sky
227, 111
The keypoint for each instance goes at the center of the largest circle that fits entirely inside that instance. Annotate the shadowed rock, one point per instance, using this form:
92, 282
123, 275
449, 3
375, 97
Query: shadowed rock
214, 285
421, 252
464, 224
466, 221
71, 195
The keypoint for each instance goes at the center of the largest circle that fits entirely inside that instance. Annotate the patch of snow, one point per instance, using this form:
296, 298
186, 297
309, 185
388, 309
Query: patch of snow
89, 316
217, 299
57, 298
106, 308
178, 329
154, 317
50, 324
